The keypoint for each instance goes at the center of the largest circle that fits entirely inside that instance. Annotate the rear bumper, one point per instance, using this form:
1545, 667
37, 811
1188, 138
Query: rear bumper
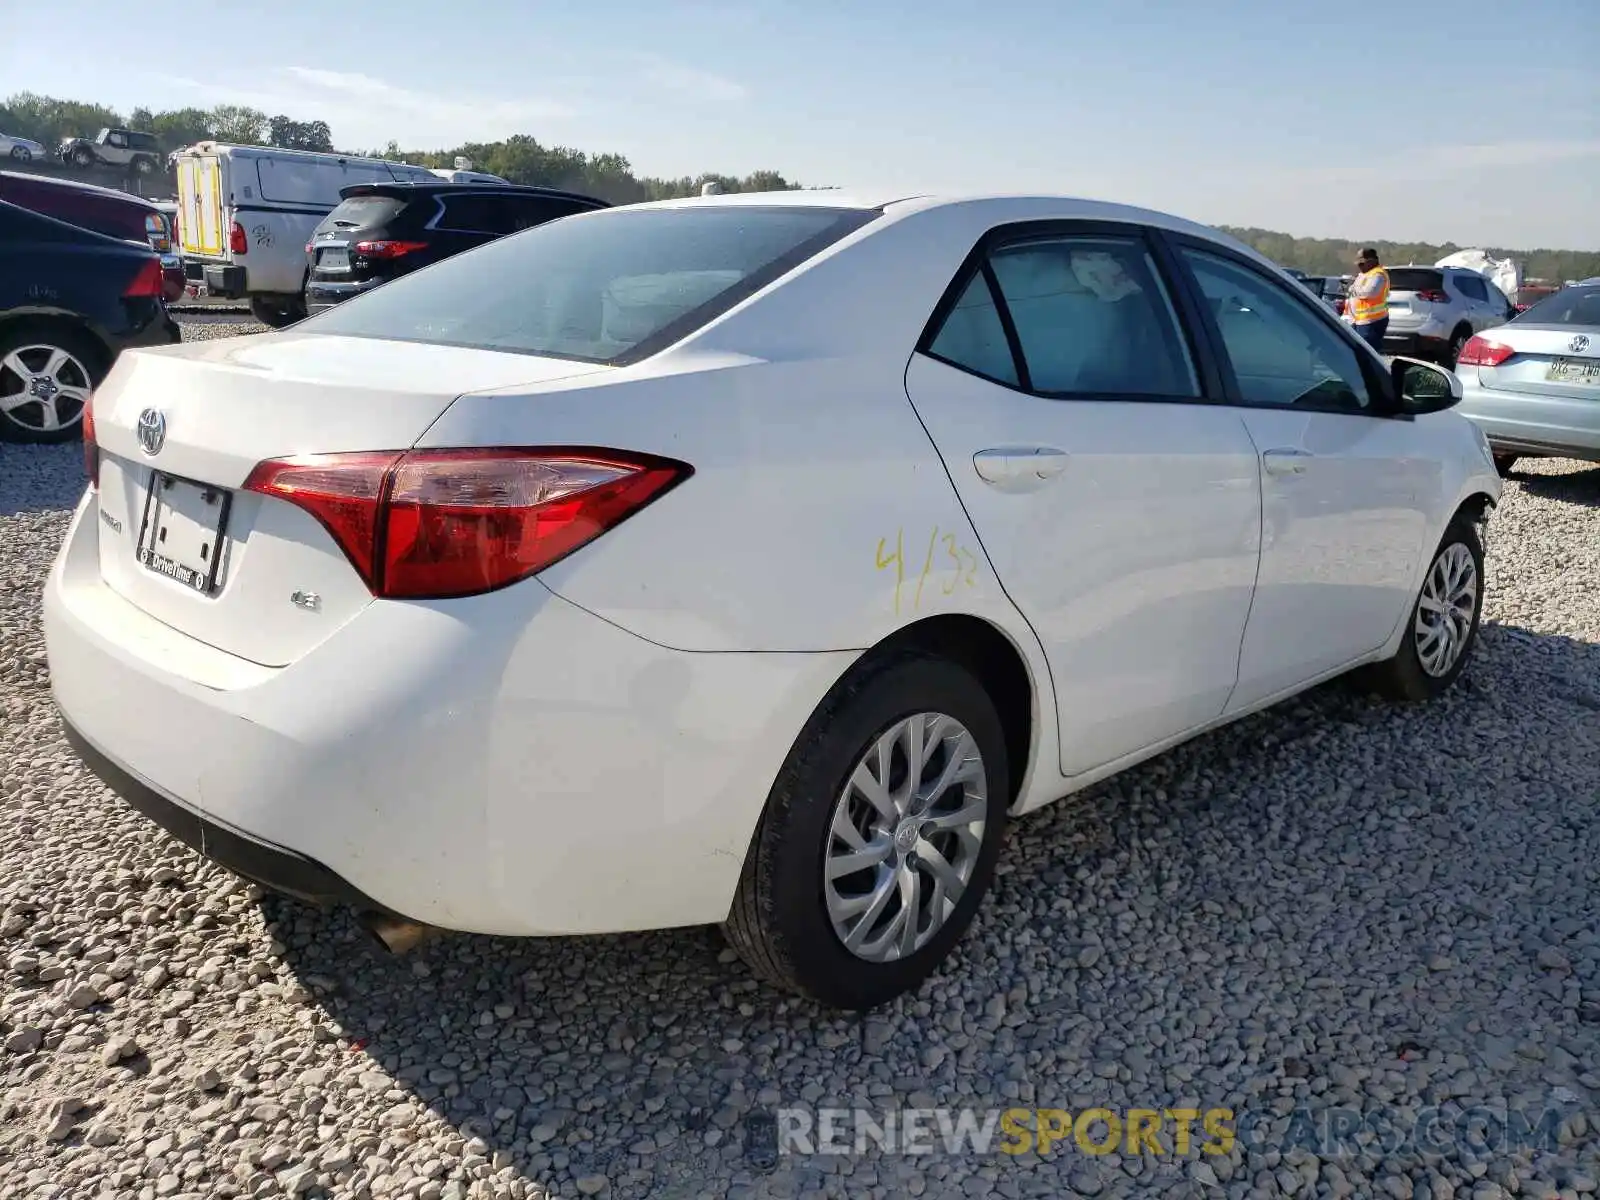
321, 295
243, 854
522, 768
1531, 423
1414, 345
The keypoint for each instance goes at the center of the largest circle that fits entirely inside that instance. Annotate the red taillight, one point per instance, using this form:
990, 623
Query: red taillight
148, 280
1433, 296
237, 242
1481, 352
430, 524
91, 447
388, 249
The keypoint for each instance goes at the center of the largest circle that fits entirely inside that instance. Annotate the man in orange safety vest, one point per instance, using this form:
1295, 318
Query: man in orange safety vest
1367, 306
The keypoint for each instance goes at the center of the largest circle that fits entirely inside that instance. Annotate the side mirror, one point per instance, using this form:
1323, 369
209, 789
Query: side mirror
1423, 387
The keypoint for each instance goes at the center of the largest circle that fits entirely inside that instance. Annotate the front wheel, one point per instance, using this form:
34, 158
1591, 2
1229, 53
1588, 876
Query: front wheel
81, 157
1443, 625
879, 837
22, 154
143, 166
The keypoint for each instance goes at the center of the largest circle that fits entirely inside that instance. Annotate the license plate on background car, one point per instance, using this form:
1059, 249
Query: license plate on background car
181, 535
333, 260
1574, 370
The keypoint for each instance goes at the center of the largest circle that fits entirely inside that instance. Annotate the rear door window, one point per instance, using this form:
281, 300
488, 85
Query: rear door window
1471, 287
613, 286
480, 213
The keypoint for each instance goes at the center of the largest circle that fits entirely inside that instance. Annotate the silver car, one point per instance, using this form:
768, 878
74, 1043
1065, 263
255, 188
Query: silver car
20, 149
1533, 384
1434, 310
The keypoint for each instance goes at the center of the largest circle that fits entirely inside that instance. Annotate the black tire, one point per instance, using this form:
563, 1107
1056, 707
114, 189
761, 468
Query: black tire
21, 154
1403, 677
1452, 352
779, 923
277, 313
144, 166
82, 157
25, 424
1503, 463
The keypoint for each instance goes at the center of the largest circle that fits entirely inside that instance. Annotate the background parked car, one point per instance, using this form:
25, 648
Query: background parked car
382, 230
139, 153
1433, 311
70, 300
103, 210
20, 149
1533, 384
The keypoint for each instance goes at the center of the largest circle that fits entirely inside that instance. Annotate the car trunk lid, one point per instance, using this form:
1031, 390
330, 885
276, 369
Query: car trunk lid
1556, 360
253, 575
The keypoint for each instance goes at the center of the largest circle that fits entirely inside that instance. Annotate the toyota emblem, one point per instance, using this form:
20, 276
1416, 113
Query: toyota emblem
152, 431
1579, 344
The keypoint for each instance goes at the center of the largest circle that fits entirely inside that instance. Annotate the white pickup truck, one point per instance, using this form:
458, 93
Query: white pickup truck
245, 214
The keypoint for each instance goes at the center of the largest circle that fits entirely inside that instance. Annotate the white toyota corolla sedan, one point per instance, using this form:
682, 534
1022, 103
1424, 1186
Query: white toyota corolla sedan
744, 560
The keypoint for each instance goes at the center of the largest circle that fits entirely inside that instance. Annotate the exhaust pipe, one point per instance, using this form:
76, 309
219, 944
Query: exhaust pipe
396, 934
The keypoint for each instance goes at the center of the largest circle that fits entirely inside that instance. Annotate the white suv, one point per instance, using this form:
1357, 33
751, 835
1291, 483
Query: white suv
1434, 310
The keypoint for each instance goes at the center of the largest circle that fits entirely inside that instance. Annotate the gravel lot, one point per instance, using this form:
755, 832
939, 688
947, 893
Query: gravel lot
1336, 904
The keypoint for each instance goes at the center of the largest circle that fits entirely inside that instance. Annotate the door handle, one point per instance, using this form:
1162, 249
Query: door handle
1286, 461
1019, 468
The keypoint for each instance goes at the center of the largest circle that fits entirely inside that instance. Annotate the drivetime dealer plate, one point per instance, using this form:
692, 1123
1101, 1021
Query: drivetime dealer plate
181, 535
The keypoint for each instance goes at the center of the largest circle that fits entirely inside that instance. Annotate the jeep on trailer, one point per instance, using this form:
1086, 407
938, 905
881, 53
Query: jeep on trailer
138, 153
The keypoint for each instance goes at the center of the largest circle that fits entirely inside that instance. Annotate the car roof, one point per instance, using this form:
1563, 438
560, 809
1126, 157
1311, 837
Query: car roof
411, 189
993, 208
74, 185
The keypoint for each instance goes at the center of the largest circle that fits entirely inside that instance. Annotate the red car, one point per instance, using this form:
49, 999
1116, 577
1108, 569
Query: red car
101, 210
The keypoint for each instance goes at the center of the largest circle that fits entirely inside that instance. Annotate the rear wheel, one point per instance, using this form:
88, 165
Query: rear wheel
277, 311
879, 837
1443, 625
1452, 352
1504, 462
22, 154
46, 376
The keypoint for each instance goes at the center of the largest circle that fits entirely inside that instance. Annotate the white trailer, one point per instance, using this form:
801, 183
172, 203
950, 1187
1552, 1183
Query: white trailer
245, 214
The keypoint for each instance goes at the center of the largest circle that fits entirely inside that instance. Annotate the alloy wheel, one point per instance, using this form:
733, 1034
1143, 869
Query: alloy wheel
43, 388
1445, 610
905, 837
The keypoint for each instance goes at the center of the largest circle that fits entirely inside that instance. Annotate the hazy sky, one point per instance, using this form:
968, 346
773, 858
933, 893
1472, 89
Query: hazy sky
1441, 120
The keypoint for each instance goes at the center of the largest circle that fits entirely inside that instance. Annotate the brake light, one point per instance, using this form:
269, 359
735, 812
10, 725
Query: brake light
431, 524
388, 249
1481, 352
148, 280
91, 446
1433, 296
237, 242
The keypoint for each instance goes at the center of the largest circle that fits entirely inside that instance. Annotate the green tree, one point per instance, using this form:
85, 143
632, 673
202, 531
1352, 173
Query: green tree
290, 134
47, 119
240, 125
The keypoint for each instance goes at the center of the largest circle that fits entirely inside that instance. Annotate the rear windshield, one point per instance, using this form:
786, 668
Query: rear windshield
1415, 279
363, 212
607, 287
1569, 306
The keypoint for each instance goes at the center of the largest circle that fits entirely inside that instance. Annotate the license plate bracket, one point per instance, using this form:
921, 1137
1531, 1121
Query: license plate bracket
1573, 370
182, 532
333, 258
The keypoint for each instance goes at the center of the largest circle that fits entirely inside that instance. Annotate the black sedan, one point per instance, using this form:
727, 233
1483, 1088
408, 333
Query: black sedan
70, 301
381, 230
